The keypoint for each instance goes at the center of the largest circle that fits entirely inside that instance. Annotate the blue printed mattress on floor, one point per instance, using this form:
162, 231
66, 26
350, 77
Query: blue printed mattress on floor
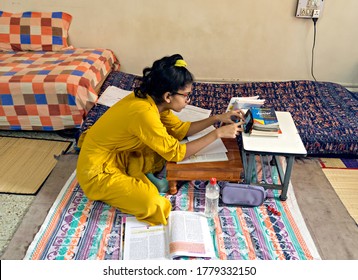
325, 113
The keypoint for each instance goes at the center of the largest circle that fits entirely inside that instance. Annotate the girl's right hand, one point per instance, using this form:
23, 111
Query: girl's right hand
230, 130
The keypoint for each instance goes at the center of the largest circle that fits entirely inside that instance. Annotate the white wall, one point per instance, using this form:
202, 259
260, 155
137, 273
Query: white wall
227, 40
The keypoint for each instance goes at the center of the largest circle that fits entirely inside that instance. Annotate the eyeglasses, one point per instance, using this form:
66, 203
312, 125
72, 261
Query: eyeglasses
186, 95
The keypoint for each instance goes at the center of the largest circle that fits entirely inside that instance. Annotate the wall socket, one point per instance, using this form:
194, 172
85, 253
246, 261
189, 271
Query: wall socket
309, 8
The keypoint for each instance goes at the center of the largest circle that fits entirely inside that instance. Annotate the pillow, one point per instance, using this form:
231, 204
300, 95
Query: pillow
34, 31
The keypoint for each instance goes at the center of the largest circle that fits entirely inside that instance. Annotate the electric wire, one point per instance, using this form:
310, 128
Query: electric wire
313, 47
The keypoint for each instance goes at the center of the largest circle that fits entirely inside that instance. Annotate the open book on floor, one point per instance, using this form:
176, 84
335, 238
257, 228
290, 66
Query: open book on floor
186, 235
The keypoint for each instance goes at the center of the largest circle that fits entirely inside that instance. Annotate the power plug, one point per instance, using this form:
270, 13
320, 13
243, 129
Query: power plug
315, 13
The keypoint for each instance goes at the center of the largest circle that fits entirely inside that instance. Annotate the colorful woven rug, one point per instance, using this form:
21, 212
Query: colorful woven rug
77, 228
343, 177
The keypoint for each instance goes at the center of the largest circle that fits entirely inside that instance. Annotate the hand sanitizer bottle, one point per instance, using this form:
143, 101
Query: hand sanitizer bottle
212, 198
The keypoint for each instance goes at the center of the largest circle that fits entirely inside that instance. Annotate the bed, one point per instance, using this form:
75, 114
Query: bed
50, 90
46, 84
325, 113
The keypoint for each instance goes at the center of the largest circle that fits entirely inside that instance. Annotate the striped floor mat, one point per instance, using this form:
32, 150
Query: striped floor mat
343, 176
77, 228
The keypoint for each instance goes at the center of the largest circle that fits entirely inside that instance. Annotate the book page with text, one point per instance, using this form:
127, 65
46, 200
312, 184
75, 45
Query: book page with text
215, 151
144, 242
189, 235
215, 147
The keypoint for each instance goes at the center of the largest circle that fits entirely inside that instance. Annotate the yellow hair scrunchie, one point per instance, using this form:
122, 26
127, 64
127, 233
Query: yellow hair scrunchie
180, 63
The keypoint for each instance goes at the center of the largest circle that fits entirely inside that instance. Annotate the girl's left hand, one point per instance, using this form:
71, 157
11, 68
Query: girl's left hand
232, 116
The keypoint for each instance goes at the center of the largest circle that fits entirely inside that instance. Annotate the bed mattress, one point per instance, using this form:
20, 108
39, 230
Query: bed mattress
325, 113
48, 91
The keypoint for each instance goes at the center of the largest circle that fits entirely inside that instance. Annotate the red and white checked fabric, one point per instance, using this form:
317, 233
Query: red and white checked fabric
50, 90
34, 31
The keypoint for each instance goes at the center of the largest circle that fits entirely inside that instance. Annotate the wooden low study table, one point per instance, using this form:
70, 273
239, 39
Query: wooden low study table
222, 170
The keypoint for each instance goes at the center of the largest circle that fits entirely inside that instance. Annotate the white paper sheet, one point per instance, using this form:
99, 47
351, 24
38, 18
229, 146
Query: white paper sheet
215, 147
192, 113
112, 95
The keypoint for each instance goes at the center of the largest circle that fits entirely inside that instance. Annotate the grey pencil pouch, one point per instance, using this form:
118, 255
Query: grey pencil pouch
242, 194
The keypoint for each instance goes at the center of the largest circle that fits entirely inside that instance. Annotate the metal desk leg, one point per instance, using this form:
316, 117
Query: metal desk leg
250, 169
287, 177
277, 163
244, 161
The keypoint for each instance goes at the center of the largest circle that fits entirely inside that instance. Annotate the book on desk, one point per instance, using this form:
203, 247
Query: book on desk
244, 102
265, 119
265, 122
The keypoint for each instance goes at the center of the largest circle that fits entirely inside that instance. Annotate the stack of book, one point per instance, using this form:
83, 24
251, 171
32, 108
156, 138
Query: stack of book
265, 122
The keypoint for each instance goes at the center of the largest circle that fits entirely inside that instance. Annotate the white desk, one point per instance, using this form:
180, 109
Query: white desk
287, 144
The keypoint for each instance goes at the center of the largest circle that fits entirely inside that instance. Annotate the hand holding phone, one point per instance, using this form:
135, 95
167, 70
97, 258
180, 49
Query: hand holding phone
234, 119
248, 121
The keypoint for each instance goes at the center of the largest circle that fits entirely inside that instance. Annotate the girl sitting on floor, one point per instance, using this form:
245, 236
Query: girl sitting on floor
137, 135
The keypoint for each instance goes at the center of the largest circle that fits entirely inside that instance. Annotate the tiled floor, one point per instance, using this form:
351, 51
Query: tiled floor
12, 210
13, 207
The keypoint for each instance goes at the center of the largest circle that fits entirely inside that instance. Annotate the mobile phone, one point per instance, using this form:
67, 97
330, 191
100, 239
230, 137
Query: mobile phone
248, 121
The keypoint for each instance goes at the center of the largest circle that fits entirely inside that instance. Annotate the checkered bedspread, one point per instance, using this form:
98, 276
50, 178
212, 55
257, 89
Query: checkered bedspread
50, 90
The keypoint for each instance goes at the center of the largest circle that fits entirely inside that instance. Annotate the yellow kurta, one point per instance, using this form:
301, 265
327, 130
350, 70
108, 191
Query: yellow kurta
130, 140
